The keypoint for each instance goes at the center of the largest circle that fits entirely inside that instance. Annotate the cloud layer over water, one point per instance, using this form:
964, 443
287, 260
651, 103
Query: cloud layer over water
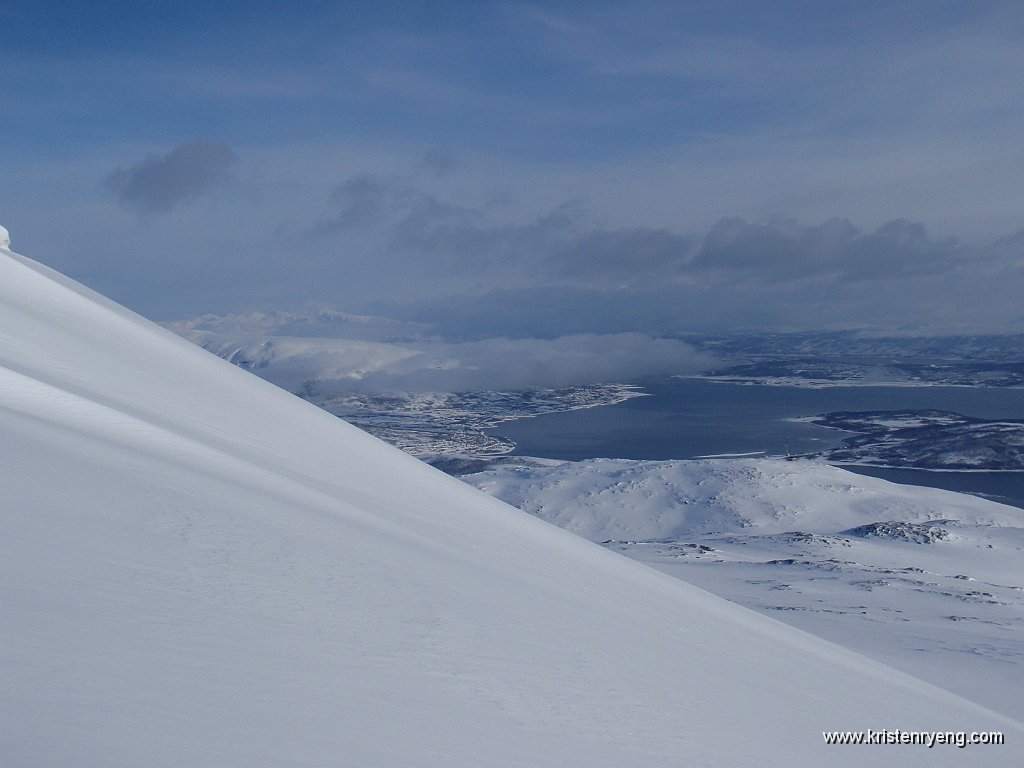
500, 363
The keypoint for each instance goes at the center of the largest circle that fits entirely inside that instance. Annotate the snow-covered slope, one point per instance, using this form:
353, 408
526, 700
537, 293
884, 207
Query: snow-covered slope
199, 569
927, 580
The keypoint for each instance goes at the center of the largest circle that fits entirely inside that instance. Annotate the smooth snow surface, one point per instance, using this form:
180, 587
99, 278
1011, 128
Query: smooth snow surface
199, 569
5, 237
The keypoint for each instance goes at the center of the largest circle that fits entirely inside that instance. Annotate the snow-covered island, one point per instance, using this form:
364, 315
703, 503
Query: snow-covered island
849, 359
926, 439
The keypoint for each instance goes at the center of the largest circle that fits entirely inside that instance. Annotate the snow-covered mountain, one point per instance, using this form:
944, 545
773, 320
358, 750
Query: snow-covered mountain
199, 569
318, 352
322, 323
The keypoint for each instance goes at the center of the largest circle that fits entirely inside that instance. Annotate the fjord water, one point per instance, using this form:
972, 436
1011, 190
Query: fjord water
685, 418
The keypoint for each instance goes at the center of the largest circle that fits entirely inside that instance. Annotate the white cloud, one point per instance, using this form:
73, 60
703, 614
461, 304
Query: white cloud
500, 363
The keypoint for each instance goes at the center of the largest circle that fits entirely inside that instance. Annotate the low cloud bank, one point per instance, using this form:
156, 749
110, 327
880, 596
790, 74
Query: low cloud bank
335, 354
501, 363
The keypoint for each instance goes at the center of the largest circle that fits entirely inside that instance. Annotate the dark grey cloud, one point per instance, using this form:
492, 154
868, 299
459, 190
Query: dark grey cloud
895, 278
901, 249
439, 161
159, 183
366, 201
361, 201
477, 272
560, 246
1009, 251
778, 249
429, 236
836, 249
625, 255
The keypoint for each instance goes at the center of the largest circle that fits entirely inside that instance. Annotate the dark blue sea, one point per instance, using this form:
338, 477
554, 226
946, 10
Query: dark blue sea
689, 418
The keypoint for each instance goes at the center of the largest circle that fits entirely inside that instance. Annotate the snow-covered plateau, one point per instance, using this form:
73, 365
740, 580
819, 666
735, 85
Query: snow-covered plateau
200, 569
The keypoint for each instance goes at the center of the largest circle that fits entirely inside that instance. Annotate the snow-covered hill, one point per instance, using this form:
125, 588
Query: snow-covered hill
924, 579
199, 569
624, 499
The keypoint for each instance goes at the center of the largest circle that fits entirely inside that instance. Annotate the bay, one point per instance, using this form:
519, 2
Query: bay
686, 418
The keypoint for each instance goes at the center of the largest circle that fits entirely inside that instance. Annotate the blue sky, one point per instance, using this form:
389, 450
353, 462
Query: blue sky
656, 167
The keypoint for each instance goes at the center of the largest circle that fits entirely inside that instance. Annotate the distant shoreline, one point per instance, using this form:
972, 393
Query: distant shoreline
799, 383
